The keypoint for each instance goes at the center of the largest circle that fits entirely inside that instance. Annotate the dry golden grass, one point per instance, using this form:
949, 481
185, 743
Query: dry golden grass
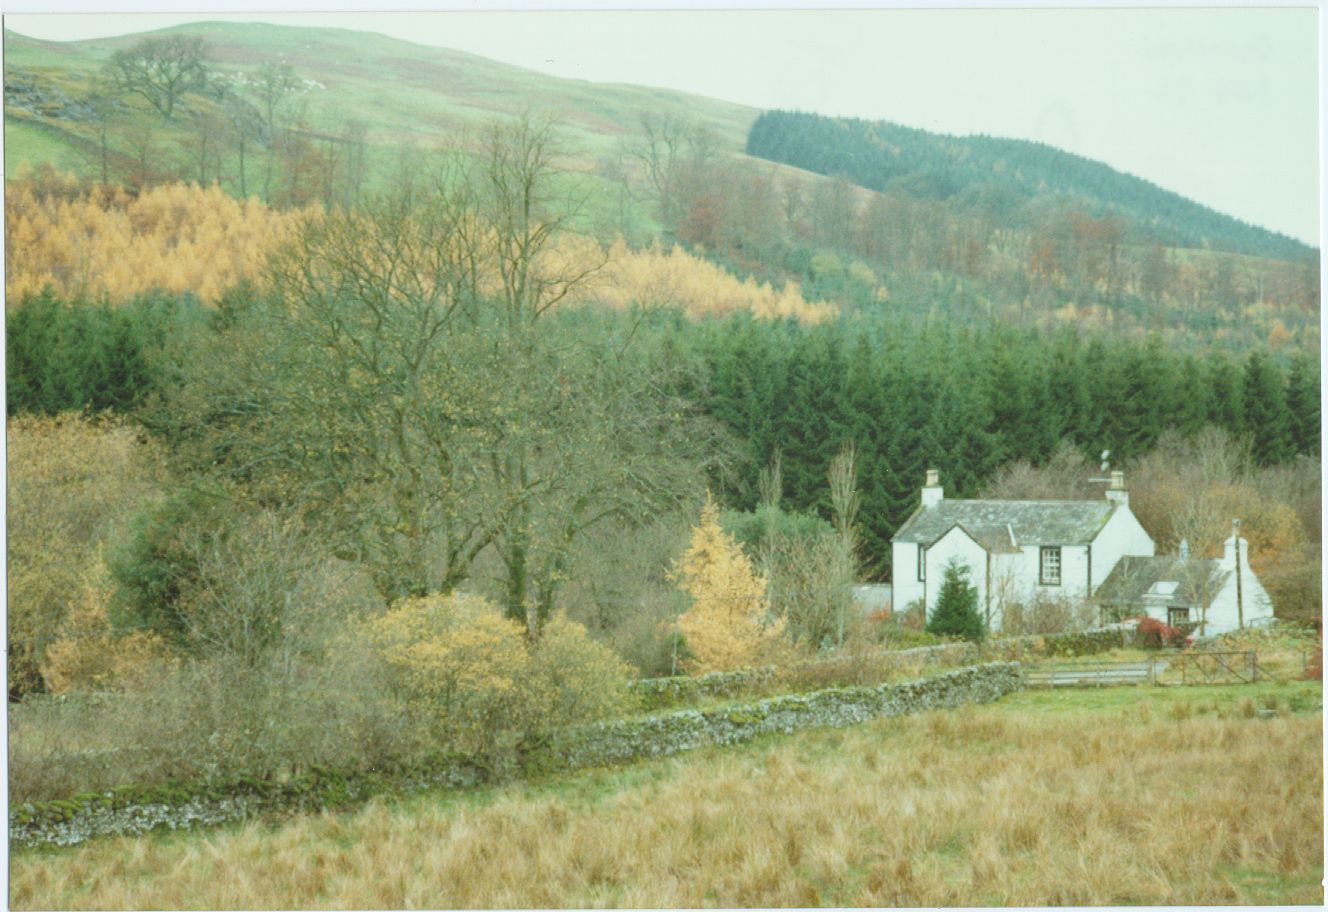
1040, 800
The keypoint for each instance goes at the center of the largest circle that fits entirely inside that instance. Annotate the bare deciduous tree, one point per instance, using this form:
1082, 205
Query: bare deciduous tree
160, 70
845, 500
673, 152
408, 391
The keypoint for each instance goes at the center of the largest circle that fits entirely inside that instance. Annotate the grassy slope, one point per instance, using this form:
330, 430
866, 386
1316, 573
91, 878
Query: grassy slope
30, 142
404, 91
1093, 797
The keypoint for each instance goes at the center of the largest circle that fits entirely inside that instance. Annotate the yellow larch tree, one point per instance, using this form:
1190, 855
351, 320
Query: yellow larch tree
72, 481
728, 625
105, 243
88, 655
676, 278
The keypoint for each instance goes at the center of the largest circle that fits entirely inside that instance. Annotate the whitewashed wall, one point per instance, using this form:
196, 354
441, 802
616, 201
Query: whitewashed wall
904, 574
1256, 605
1018, 577
956, 544
1119, 536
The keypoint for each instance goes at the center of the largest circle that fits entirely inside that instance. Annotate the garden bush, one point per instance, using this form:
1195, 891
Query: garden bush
1153, 634
1083, 643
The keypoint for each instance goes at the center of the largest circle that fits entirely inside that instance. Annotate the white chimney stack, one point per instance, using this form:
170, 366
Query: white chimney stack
932, 492
1229, 552
1116, 493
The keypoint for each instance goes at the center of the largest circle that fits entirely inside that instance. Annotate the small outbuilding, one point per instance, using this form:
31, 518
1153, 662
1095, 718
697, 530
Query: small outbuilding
1214, 595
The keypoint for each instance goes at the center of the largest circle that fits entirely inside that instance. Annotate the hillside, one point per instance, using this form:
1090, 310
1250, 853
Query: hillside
402, 92
967, 229
1005, 177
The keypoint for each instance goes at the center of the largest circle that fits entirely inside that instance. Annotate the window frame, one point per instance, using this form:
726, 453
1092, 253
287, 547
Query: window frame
1044, 552
922, 563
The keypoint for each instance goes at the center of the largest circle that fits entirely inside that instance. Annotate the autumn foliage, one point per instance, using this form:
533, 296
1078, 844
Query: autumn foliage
727, 626
182, 238
656, 276
1153, 634
457, 660
71, 480
105, 243
89, 655
474, 679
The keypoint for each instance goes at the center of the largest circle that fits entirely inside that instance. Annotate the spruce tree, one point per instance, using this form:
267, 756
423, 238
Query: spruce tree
1266, 419
1303, 401
1224, 395
956, 612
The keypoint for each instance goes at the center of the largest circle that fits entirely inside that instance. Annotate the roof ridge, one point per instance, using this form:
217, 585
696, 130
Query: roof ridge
993, 500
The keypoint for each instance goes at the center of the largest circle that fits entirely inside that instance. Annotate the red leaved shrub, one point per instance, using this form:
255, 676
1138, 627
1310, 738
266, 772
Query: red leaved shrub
1153, 634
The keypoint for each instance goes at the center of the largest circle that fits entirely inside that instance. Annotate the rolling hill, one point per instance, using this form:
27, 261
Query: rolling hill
405, 93
402, 92
1001, 175
872, 217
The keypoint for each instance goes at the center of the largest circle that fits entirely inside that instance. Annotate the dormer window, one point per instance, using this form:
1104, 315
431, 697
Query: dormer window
1050, 562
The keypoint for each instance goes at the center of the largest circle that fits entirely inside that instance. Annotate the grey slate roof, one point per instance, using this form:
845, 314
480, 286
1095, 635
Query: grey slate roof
1034, 522
995, 539
1132, 577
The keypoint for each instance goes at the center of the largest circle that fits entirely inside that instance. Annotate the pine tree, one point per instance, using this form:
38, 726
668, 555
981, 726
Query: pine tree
956, 612
1192, 404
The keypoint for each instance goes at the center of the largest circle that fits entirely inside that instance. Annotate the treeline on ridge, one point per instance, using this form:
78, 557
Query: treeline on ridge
989, 254
985, 172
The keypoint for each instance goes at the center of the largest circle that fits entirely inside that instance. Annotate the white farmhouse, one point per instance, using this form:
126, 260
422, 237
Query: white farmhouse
1175, 590
1014, 549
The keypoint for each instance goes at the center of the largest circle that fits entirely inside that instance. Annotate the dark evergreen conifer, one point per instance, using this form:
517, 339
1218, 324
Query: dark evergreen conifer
1265, 418
956, 611
1303, 401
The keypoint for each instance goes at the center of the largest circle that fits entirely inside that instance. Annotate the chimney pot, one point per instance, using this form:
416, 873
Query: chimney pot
932, 492
1116, 492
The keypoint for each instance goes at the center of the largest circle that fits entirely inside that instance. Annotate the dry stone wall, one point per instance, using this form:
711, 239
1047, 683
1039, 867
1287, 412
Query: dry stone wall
133, 810
653, 736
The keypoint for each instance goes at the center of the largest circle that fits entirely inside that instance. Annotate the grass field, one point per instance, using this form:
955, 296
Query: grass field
1129, 795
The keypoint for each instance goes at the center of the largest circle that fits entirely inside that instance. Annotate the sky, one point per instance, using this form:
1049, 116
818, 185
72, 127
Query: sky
1220, 104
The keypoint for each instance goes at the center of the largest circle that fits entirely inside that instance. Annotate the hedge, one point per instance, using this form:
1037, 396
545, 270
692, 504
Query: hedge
1088, 642
133, 810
